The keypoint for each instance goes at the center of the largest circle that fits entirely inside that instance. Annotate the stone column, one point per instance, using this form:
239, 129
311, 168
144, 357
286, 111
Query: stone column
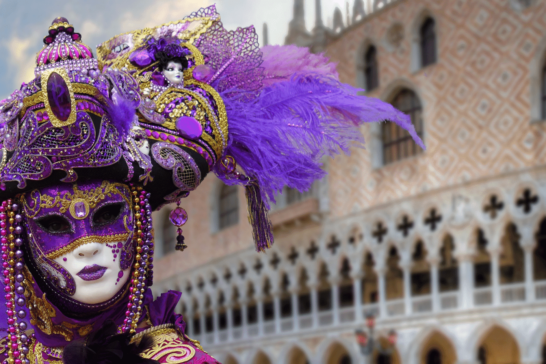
229, 314
529, 269
335, 299
215, 325
466, 281
202, 325
295, 310
189, 323
277, 308
407, 288
260, 307
357, 293
434, 284
495, 276
381, 272
314, 303
244, 317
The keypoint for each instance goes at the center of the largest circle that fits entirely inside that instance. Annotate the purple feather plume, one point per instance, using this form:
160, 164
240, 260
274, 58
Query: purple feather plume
122, 112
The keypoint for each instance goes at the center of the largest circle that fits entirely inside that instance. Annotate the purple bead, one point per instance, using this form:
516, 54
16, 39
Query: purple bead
22, 325
145, 257
18, 242
202, 73
178, 216
19, 278
20, 289
189, 127
140, 58
58, 96
24, 349
21, 301
18, 266
15, 207
24, 338
19, 253
18, 218
18, 230
21, 314
94, 74
145, 248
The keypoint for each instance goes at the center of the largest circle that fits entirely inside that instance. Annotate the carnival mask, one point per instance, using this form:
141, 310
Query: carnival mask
174, 73
81, 236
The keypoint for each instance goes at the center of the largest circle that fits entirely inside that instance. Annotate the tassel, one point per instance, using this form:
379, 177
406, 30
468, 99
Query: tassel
257, 217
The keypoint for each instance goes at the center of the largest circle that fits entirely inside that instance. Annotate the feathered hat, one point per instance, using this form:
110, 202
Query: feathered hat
274, 111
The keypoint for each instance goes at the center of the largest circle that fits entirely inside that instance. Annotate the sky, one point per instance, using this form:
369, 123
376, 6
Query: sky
24, 23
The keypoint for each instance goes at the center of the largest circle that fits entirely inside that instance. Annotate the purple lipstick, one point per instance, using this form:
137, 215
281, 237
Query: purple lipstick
91, 272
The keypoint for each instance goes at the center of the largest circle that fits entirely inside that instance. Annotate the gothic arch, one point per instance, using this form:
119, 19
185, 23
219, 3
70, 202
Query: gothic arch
415, 37
259, 354
483, 330
421, 342
287, 350
361, 63
323, 349
231, 358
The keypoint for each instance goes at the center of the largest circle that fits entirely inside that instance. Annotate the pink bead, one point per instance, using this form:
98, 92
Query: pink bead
5, 256
129, 305
9, 304
127, 313
18, 361
8, 296
5, 265
10, 313
16, 354
4, 248
13, 337
7, 289
12, 329
4, 240
6, 273
11, 321
14, 346
6, 280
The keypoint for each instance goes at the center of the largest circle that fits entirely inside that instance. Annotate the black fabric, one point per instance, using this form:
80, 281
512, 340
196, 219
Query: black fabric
105, 346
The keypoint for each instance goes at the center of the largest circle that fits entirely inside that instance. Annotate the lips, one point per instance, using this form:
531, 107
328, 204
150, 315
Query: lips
91, 272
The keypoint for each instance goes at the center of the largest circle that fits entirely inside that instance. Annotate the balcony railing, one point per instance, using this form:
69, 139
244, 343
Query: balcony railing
421, 304
512, 293
447, 301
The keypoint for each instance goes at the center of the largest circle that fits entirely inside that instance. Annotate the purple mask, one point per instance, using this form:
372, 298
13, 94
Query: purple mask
72, 223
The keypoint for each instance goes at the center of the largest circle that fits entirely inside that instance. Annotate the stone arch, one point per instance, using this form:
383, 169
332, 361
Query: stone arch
434, 337
259, 356
388, 94
328, 347
535, 75
231, 358
415, 37
503, 333
360, 62
293, 353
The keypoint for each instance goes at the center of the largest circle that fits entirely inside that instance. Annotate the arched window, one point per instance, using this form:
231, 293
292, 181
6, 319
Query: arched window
371, 69
228, 207
434, 357
428, 42
543, 93
482, 355
397, 143
345, 359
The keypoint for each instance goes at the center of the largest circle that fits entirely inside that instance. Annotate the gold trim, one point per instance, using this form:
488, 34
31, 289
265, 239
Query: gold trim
72, 208
63, 24
54, 120
138, 37
169, 347
4, 158
101, 239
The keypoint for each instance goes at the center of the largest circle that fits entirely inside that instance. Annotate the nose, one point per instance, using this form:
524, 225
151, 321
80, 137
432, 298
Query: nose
87, 250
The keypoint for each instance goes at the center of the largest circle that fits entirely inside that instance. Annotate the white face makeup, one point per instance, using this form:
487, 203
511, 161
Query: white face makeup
95, 269
174, 73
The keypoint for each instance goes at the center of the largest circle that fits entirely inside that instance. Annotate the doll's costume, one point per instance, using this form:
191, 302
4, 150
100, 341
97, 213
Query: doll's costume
92, 145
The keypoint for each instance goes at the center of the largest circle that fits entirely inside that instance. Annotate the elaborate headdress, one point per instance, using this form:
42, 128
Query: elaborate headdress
274, 111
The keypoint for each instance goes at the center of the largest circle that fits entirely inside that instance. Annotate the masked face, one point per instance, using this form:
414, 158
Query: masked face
174, 73
81, 237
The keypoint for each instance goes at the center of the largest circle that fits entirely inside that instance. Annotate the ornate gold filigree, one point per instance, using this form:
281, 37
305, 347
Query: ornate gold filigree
52, 118
35, 355
169, 347
41, 311
101, 239
67, 201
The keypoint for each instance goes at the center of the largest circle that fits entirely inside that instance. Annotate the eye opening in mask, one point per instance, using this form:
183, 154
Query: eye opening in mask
108, 214
54, 224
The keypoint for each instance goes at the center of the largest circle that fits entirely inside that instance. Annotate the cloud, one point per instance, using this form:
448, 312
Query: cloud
20, 58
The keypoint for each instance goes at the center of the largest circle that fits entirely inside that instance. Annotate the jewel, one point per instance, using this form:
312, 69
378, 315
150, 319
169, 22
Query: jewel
58, 96
140, 58
178, 216
202, 73
189, 127
79, 209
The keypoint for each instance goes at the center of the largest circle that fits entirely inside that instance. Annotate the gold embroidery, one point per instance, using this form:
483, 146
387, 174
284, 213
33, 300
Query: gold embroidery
91, 197
41, 311
52, 117
169, 347
82, 331
101, 239
35, 356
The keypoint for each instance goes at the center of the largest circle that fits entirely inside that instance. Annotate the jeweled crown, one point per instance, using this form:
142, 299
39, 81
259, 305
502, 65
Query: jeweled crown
63, 48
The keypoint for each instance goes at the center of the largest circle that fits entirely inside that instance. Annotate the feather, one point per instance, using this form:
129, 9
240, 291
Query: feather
105, 346
281, 137
122, 112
